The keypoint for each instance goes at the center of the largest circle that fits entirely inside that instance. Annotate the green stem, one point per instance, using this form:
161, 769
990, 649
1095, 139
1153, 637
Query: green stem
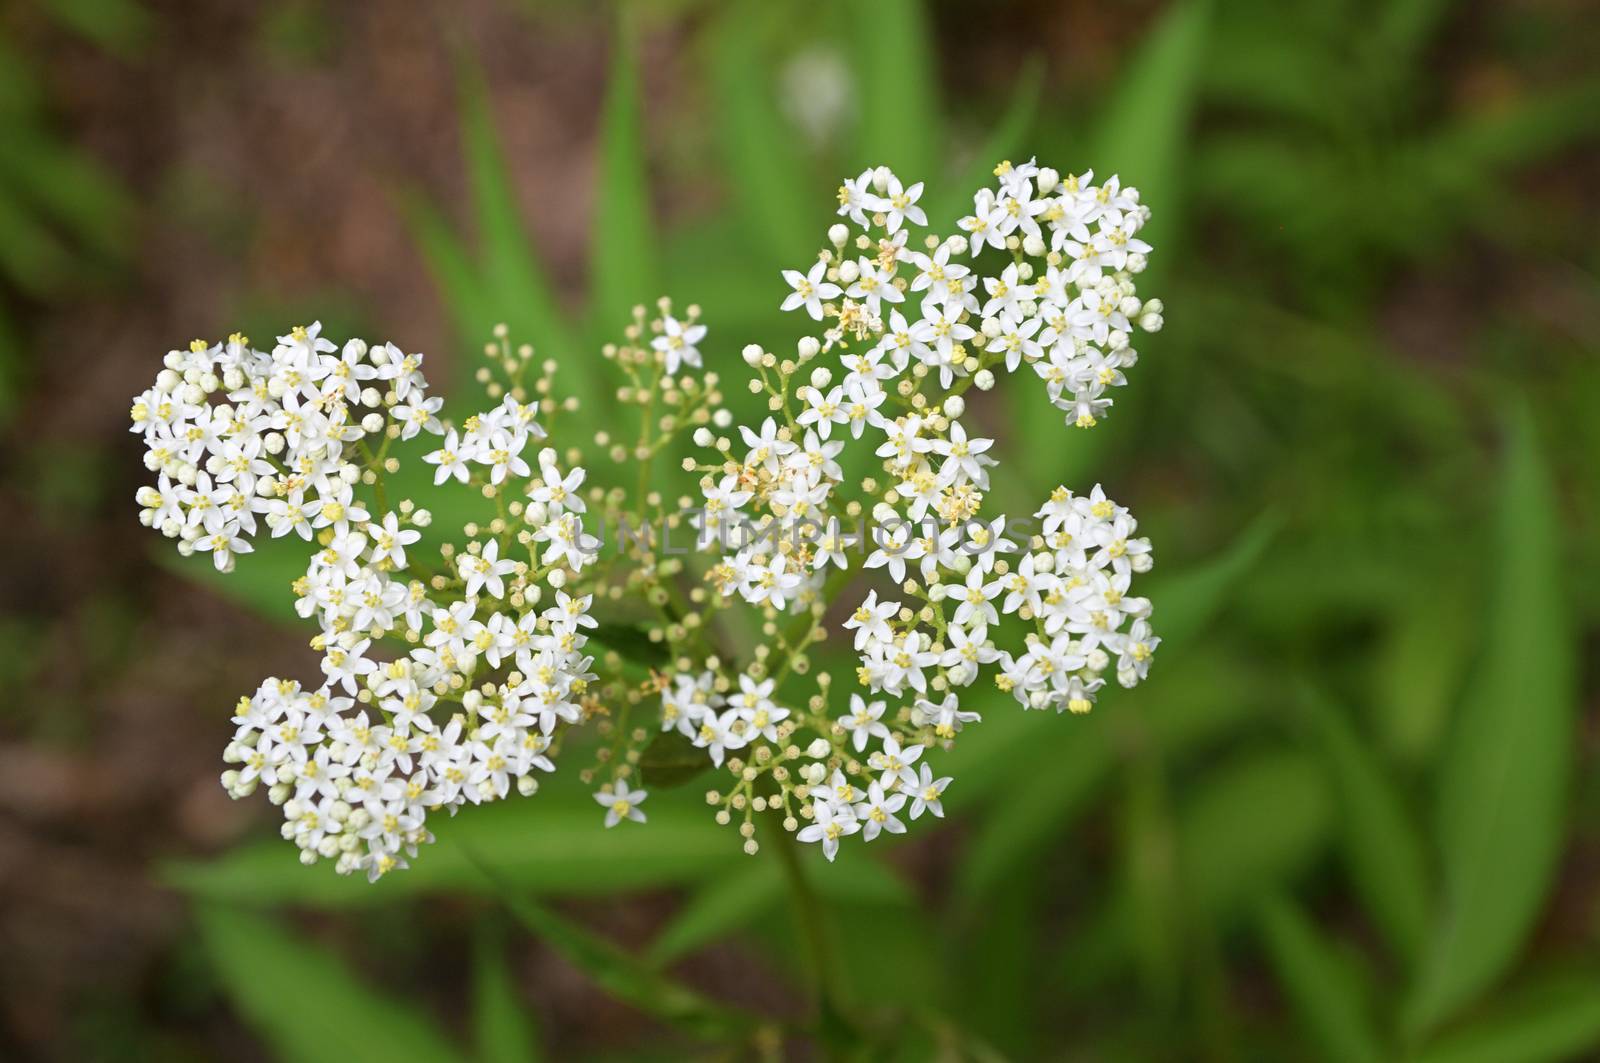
834, 1030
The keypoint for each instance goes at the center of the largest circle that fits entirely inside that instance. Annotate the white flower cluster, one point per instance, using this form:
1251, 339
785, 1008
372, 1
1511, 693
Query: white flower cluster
285, 440
453, 681
359, 789
234, 433
1062, 302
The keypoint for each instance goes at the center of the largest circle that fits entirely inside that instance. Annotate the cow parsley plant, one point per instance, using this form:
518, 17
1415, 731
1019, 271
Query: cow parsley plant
458, 658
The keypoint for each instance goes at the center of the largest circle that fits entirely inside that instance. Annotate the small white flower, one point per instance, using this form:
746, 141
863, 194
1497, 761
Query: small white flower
828, 825
678, 344
622, 803
810, 290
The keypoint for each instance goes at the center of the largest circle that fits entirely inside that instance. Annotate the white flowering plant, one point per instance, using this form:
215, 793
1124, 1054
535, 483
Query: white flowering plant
456, 667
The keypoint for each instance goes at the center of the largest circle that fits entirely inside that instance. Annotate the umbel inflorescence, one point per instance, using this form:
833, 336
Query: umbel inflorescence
454, 670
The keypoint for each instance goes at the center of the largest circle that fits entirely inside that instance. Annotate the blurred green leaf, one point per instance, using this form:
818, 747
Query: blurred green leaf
68, 188
1006, 137
1523, 130
1250, 824
898, 107
1037, 805
504, 282
1503, 783
11, 363
1553, 1020
31, 256
768, 174
19, 83
119, 26
1319, 985
303, 1001
1151, 881
997, 995
1381, 846
471, 304
1191, 600
624, 271
502, 1025
551, 843
732, 901
618, 974
1143, 132
671, 759
720, 907
1421, 667
511, 265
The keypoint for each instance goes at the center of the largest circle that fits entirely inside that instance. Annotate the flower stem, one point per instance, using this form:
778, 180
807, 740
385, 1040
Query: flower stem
834, 1030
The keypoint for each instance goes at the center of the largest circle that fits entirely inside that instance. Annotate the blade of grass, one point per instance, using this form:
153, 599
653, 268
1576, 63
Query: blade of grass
1006, 137
1503, 783
624, 271
1556, 1019
517, 286
767, 171
1381, 847
733, 901
897, 107
1319, 983
502, 1024
468, 299
551, 843
1254, 821
618, 974
303, 1000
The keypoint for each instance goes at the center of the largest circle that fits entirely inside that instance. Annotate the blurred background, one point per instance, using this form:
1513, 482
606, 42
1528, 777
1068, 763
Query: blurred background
1352, 816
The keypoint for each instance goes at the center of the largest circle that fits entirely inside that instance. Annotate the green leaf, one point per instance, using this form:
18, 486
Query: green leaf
767, 171
1143, 134
12, 359
997, 993
732, 901
1319, 984
504, 281
1150, 878
1525, 130
31, 256
1503, 782
119, 26
1381, 846
618, 974
69, 187
1250, 824
502, 1025
624, 271
1006, 136
897, 107
471, 305
717, 909
303, 1001
672, 760
1186, 604
1557, 1019
550, 843
1421, 667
